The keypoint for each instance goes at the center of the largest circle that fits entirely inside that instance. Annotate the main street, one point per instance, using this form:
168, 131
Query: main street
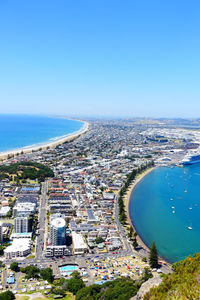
40, 239
120, 227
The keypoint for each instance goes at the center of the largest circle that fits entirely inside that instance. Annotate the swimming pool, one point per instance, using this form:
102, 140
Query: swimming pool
68, 269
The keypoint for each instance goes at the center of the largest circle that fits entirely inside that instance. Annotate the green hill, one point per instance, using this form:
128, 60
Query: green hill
183, 284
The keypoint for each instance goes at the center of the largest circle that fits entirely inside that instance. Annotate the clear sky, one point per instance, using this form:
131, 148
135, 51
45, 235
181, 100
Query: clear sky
103, 58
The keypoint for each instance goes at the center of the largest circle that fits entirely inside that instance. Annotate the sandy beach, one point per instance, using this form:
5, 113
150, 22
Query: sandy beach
52, 144
127, 200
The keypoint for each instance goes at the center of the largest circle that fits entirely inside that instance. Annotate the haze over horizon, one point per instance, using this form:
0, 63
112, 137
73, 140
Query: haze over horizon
128, 59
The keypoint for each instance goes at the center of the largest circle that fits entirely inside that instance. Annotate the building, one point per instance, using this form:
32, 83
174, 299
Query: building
57, 230
24, 208
57, 251
91, 217
79, 244
22, 224
19, 248
4, 210
21, 235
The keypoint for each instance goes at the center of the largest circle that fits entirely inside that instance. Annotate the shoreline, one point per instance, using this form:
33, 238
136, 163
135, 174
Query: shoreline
127, 202
45, 145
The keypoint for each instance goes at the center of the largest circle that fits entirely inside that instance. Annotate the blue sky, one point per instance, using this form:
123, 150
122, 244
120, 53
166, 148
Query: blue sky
102, 58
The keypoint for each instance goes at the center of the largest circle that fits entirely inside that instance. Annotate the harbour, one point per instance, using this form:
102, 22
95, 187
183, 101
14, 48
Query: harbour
175, 229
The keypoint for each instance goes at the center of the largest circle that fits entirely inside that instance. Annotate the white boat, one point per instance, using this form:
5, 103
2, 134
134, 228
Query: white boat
188, 227
192, 158
190, 208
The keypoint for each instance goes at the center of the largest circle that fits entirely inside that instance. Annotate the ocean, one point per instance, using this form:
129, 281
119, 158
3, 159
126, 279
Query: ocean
19, 131
162, 207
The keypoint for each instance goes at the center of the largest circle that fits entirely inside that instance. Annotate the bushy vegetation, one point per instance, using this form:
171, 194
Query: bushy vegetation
183, 284
119, 289
34, 272
8, 295
26, 170
130, 178
14, 266
73, 285
31, 272
47, 274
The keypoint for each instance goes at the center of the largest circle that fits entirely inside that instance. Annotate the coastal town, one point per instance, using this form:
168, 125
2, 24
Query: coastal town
59, 205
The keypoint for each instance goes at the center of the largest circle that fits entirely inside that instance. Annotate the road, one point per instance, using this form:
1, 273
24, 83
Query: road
40, 239
120, 227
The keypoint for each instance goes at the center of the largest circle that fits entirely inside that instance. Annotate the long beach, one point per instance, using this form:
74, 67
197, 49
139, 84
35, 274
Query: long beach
52, 144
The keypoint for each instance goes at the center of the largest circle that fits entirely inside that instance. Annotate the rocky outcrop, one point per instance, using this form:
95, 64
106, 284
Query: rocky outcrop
146, 286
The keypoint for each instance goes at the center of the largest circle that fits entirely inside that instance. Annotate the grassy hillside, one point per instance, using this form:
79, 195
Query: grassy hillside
183, 284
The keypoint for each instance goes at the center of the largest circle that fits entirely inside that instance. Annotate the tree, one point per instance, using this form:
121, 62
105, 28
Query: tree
47, 274
1, 250
135, 243
31, 272
90, 292
144, 259
8, 295
153, 256
76, 275
58, 291
74, 285
130, 232
99, 240
14, 266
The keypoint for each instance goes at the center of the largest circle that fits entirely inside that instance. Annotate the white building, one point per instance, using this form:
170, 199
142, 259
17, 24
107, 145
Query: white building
57, 251
19, 248
57, 230
24, 208
79, 244
4, 210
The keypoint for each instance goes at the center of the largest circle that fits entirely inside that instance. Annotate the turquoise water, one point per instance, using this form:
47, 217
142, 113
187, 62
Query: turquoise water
18, 131
152, 214
69, 269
